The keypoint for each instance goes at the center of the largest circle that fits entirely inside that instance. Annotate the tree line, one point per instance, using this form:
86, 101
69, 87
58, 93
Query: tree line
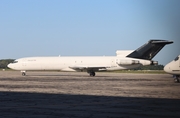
5, 62
151, 67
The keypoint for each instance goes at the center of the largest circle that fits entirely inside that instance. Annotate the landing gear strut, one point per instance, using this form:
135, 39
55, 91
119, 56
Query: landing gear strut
92, 73
176, 78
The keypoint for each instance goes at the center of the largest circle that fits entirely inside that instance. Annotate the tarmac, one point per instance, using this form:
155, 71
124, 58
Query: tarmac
76, 94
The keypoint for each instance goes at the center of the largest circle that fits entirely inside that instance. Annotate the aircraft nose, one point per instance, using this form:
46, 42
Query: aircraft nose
167, 68
9, 66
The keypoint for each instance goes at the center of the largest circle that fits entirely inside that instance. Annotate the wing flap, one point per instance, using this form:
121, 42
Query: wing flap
88, 68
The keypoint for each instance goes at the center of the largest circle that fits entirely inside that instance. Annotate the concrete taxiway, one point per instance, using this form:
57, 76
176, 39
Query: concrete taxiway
76, 94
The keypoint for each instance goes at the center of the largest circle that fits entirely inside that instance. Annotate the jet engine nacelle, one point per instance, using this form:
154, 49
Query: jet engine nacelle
128, 62
155, 63
148, 62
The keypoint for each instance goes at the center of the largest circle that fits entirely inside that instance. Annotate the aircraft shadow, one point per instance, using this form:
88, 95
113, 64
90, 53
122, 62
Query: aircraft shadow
41, 105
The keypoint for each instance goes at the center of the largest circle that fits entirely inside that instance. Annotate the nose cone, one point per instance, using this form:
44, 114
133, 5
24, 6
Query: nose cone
9, 66
167, 69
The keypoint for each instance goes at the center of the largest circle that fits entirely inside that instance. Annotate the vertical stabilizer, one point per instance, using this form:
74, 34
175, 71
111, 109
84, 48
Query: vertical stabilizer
149, 50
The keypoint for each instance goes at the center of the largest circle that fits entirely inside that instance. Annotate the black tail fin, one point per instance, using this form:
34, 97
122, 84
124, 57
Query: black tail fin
149, 50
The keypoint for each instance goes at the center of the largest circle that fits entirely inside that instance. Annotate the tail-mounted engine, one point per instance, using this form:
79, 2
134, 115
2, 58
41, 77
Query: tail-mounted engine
155, 63
127, 62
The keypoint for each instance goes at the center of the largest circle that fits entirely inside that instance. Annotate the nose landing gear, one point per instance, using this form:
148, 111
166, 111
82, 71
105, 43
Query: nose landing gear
23, 73
176, 78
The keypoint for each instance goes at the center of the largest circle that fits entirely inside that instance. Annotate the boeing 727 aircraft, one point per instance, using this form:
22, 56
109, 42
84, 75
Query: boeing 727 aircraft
92, 64
174, 68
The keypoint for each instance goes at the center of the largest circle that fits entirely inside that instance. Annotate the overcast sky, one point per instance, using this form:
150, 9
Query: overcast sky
87, 27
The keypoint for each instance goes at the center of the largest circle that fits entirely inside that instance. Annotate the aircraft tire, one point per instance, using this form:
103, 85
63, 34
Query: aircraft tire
92, 74
23, 74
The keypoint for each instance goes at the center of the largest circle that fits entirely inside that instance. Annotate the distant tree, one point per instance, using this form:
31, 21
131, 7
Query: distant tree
5, 62
151, 67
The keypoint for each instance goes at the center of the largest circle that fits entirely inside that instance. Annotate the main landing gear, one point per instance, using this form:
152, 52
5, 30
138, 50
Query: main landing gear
92, 73
176, 78
23, 73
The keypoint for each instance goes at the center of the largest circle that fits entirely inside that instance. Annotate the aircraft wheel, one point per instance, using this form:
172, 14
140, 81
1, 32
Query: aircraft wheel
92, 74
23, 74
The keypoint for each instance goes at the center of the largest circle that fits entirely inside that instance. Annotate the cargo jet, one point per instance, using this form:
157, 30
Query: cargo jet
174, 68
91, 64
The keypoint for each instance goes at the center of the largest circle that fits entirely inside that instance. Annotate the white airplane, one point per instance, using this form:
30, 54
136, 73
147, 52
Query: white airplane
174, 68
92, 64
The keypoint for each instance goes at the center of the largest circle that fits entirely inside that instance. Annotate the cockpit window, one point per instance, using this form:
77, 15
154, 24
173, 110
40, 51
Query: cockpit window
177, 58
14, 61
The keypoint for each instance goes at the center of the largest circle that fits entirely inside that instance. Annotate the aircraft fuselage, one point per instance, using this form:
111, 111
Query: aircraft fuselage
124, 60
77, 63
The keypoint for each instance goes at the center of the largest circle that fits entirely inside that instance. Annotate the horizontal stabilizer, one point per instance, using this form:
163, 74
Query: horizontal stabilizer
149, 50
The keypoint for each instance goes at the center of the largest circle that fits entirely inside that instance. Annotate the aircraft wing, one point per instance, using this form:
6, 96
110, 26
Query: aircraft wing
88, 67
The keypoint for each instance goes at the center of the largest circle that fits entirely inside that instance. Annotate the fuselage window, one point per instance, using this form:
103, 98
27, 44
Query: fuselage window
177, 58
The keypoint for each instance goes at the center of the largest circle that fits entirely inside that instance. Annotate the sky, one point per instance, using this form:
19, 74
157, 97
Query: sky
87, 27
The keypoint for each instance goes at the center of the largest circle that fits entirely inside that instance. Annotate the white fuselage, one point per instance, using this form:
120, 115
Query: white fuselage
173, 67
77, 63
125, 59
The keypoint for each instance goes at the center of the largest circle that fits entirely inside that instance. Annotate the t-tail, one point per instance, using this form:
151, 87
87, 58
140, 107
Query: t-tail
149, 50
